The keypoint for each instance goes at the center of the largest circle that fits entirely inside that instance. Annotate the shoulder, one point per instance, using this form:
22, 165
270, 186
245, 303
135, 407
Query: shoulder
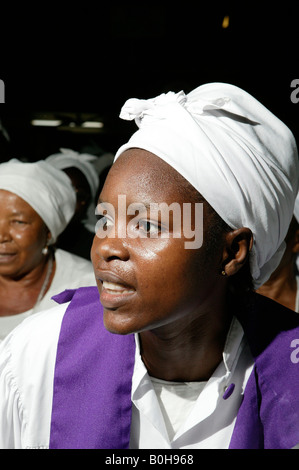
27, 364
273, 334
266, 323
72, 270
36, 338
72, 259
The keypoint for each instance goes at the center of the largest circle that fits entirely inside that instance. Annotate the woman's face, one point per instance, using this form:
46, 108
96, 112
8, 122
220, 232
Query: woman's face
23, 235
147, 281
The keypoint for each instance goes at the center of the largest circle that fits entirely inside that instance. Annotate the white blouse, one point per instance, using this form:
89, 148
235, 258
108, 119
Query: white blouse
27, 361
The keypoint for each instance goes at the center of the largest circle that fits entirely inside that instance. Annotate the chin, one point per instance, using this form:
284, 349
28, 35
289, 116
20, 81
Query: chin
117, 324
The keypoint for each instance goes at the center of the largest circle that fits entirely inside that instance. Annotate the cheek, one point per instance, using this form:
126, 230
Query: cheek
176, 275
30, 240
166, 269
152, 252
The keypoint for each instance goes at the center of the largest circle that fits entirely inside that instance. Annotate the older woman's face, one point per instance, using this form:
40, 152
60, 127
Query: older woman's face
146, 282
23, 235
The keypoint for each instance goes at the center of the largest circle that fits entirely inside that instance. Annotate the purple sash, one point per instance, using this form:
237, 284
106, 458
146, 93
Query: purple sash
92, 383
93, 375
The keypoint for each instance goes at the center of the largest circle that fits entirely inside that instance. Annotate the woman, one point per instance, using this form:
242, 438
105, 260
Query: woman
85, 180
187, 355
36, 204
283, 284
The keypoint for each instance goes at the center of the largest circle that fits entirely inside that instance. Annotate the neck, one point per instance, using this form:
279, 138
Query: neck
281, 287
187, 350
29, 278
23, 292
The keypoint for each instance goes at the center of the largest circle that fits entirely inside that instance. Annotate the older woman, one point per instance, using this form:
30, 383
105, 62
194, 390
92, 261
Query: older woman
174, 349
36, 203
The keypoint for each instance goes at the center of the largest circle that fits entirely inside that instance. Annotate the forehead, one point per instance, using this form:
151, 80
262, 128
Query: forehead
142, 172
14, 202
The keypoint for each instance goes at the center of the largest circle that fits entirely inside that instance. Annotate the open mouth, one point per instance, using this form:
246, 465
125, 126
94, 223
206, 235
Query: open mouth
116, 289
7, 257
114, 295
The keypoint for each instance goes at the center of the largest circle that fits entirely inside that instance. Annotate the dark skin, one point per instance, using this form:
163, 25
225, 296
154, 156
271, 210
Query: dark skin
23, 235
175, 298
282, 285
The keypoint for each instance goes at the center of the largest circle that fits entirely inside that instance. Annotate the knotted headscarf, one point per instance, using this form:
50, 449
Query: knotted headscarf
68, 158
240, 157
46, 189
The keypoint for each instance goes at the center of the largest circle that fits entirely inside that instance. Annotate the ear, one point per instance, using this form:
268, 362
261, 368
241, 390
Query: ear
49, 236
238, 244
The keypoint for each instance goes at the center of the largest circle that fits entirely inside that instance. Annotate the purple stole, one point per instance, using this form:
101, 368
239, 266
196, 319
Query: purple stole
93, 375
92, 382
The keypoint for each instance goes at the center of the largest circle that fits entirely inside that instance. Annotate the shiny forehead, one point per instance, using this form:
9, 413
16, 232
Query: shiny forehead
147, 168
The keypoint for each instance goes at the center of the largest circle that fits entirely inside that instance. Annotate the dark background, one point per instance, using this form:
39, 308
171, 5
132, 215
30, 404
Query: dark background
76, 61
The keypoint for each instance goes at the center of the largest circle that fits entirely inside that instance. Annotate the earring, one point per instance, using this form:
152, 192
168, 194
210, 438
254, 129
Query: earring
45, 250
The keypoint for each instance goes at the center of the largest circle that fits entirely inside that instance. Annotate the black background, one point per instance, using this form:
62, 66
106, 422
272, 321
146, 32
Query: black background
73, 58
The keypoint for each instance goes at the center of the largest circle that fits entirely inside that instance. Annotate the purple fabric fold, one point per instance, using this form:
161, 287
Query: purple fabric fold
92, 383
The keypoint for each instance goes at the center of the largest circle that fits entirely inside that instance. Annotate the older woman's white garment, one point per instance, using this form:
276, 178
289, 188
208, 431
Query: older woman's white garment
71, 272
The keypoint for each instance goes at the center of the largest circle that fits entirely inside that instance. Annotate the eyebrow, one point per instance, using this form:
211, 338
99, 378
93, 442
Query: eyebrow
17, 213
147, 205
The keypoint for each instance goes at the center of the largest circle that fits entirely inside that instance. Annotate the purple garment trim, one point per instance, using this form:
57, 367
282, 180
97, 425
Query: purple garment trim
92, 383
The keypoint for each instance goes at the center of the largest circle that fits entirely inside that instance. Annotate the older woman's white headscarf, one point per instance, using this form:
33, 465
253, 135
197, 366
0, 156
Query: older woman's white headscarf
234, 151
46, 189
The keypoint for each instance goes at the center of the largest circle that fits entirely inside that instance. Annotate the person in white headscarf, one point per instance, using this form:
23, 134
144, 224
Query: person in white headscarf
236, 137
283, 284
174, 349
37, 203
80, 168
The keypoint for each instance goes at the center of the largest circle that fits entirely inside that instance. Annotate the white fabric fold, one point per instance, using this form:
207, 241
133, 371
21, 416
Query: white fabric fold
234, 151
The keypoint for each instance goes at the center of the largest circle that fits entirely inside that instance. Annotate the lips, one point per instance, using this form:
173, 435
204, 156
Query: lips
115, 291
6, 257
115, 288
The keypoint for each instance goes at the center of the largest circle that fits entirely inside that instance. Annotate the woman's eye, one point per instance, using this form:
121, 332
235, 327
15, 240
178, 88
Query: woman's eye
19, 222
148, 227
103, 222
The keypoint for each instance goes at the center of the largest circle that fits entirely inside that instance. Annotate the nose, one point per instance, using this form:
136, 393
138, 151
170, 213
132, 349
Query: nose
110, 248
4, 232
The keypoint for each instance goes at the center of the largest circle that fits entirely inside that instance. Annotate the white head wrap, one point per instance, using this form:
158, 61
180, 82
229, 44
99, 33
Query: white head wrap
234, 151
47, 190
83, 161
86, 163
